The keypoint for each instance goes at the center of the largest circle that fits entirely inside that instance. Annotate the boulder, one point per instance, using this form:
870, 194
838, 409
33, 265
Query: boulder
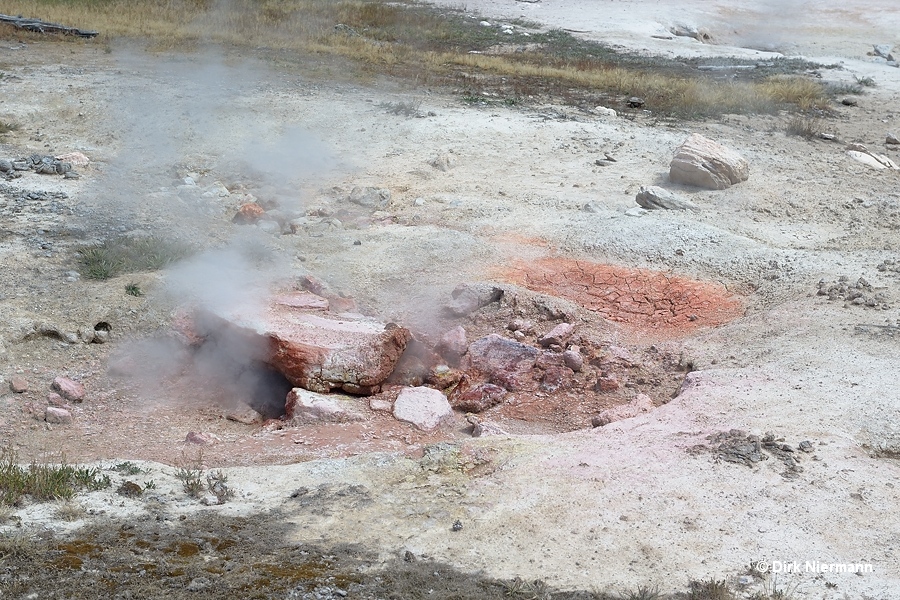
303, 406
862, 154
892, 139
475, 399
453, 345
68, 389
370, 197
704, 163
481, 428
653, 197
572, 358
424, 407
504, 362
557, 378
248, 213
313, 349
640, 404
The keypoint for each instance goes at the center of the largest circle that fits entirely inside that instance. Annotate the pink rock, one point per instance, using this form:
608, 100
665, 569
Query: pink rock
379, 404
424, 407
478, 398
557, 378
57, 415
303, 406
640, 404
315, 350
195, 437
68, 389
606, 383
18, 384
558, 336
244, 414
301, 299
572, 358
503, 361
453, 345
56, 400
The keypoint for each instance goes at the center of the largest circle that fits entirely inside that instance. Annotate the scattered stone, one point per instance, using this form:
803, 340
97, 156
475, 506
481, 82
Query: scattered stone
467, 298
891, 139
861, 293
504, 362
849, 102
68, 389
303, 406
57, 415
805, 446
244, 414
883, 50
443, 162
557, 336
572, 358
443, 377
635, 102
862, 154
57, 400
453, 345
318, 351
482, 428
205, 439
523, 325
636, 211
75, 158
704, 163
370, 197
248, 214
18, 384
380, 404
828, 137
556, 378
607, 383
653, 197
476, 399
640, 404
424, 407
605, 112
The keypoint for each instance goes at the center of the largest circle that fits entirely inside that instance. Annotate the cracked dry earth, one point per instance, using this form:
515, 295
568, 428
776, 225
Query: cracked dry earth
714, 315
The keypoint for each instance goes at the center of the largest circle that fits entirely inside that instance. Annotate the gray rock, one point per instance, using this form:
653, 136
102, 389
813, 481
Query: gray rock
891, 139
653, 197
59, 416
558, 336
883, 50
467, 298
370, 197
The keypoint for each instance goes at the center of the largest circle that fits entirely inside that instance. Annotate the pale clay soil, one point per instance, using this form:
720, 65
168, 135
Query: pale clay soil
630, 503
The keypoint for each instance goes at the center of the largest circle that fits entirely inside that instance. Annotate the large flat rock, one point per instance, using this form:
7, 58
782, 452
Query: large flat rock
314, 349
701, 162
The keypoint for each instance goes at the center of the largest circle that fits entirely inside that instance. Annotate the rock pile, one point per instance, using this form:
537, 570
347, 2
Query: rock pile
45, 165
861, 293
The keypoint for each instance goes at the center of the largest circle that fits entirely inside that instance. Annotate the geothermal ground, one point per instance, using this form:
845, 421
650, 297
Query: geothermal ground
752, 343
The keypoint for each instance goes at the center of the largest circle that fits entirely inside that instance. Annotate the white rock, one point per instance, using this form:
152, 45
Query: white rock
485, 23
424, 407
309, 407
704, 163
605, 112
640, 404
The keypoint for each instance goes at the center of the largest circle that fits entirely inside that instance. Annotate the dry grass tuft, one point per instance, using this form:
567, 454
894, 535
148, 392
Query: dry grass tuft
806, 126
429, 45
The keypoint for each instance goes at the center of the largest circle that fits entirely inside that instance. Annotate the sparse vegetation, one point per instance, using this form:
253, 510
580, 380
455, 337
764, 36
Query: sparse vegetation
128, 468
70, 511
442, 46
44, 481
805, 126
865, 81
191, 481
406, 108
7, 127
133, 289
129, 255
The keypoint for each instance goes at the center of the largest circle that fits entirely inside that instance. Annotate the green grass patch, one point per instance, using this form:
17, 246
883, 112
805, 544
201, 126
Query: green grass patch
129, 255
43, 481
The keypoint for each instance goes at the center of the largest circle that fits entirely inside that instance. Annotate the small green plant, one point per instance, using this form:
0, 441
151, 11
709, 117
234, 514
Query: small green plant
191, 481
150, 485
133, 289
643, 593
527, 590
125, 254
128, 468
865, 81
217, 483
772, 591
44, 481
